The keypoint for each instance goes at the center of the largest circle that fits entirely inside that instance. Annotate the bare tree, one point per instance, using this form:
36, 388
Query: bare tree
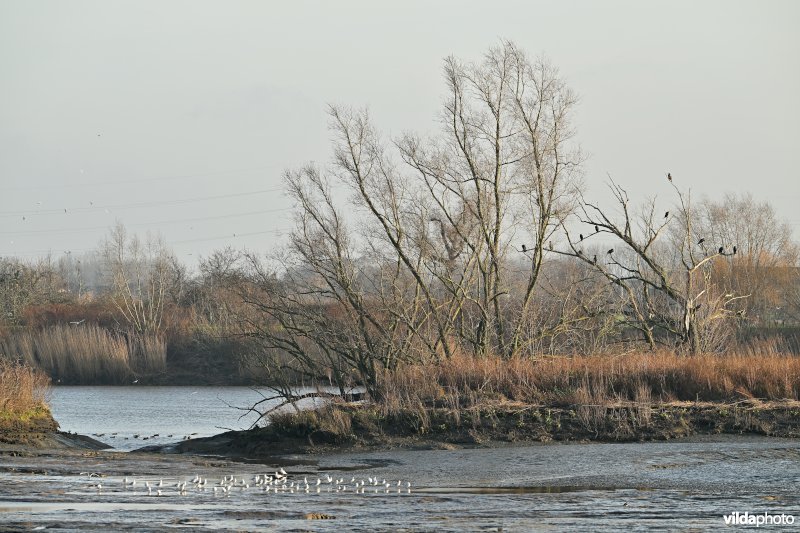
766, 261
139, 273
504, 166
574, 310
28, 283
420, 261
663, 267
214, 302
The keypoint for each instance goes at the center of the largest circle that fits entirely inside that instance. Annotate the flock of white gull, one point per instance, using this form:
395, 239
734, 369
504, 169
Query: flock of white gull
277, 483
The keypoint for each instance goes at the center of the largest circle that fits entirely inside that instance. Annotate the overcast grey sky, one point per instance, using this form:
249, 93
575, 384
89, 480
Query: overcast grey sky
180, 117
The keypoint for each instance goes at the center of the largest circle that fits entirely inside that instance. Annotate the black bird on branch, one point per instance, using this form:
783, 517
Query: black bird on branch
701, 241
596, 228
594, 260
721, 249
524, 248
666, 214
669, 177
734, 250
611, 251
580, 235
551, 245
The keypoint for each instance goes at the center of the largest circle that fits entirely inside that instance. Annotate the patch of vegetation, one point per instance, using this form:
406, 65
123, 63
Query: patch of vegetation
23, 407
471, 400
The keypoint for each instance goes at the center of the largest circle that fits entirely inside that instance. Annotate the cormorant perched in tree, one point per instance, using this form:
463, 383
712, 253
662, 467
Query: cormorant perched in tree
611, 251
666, 214
701, 241
581, 236
720, 249
596, 229
669, 176
594, 260
551, 245
524, 248
734, 250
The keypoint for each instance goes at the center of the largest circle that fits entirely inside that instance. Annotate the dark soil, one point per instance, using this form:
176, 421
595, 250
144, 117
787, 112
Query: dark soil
362, 427
442, 428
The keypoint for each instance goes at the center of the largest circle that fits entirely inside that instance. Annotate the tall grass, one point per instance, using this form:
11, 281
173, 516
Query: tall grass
147, 354
464, 381
22, 388
86, 353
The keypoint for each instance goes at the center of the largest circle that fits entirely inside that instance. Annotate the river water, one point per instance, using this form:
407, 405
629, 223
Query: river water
131, 417
686, 485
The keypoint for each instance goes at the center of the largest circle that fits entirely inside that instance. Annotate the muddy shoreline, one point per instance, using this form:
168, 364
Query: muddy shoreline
439, 428
688, 483
42, 432
497, 426
465, 476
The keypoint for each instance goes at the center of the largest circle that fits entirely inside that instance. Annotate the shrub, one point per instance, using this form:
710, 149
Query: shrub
22, 388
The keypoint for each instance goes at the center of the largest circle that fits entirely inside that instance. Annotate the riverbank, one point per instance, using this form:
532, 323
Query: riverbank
361, 426
38, 430
467, 469
343, 427
26, 427
462, 401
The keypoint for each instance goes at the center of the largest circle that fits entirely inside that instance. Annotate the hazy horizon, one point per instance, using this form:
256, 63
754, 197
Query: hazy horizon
180, 117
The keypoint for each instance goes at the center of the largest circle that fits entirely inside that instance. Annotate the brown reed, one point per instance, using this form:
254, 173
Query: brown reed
86, 353
22, 388
465, 381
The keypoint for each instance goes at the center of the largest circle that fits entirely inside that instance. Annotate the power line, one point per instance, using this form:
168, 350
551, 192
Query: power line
168, 243
162, 222
234, 235
135, 180
136, 205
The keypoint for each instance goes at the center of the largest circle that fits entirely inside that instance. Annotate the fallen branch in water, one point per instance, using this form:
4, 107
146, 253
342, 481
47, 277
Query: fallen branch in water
290, 399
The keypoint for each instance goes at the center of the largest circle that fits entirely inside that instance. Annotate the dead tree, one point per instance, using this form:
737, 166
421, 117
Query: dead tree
662, 267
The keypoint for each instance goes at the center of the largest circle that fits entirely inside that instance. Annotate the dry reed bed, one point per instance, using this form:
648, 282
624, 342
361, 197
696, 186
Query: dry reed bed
465, 381
22, 388
86, 353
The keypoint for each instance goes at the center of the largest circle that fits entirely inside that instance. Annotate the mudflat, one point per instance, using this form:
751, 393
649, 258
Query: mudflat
689, 482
